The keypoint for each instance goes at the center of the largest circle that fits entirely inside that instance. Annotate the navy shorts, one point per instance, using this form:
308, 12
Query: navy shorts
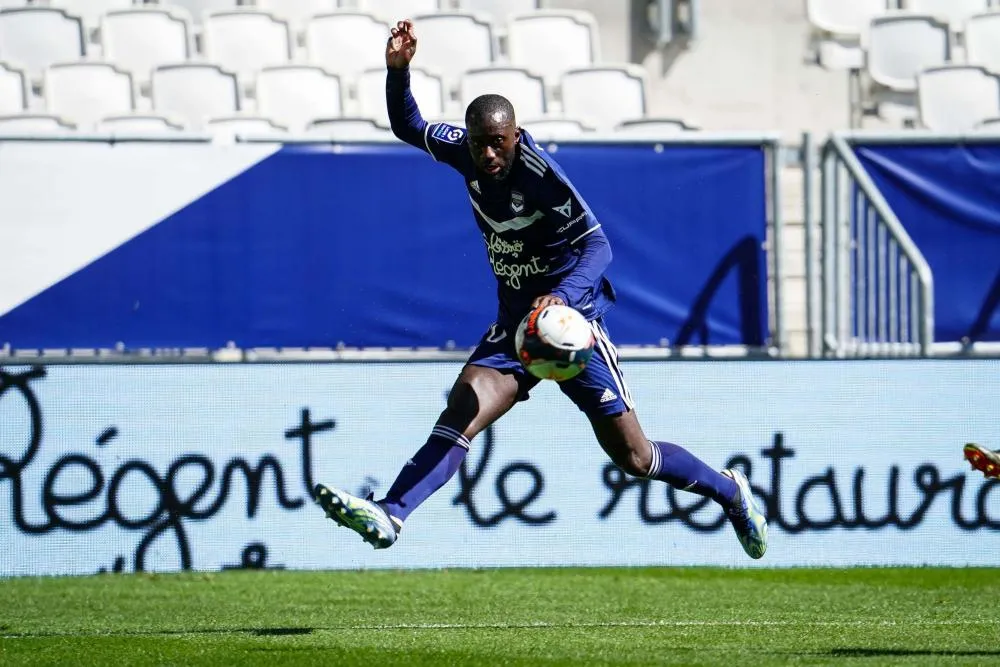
598, 391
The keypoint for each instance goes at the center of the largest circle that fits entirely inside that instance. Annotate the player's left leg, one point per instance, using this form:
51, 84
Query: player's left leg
602, 394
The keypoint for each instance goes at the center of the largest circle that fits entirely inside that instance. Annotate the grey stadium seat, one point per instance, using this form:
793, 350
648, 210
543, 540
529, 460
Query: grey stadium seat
83, 93
294, 95
957, 98
194, 92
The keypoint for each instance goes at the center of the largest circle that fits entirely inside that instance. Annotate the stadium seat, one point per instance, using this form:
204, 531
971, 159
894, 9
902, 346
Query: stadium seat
900, 46
427, 89
194, 92
957, 98
90, 10
838, 26
294, 95
552, 42
138, 124
605, 96
346, 42
34, 124
9, 4
982, 40
245, 41
230, 128
525, 91
652, 127
348, 129
391, 10
36, 37
297, 12
141, 39
452, 43
955, 12
198, 9
83, 93
555, 129
990, 125
498, 11
13, 90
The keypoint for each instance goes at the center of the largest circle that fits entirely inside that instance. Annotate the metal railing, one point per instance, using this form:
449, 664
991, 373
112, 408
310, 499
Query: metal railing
876, 289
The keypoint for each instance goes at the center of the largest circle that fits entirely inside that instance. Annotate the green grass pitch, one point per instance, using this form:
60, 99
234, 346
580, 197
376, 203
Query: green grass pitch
537, 617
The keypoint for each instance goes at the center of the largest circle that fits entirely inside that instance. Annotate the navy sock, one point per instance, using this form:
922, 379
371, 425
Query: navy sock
683, 470
428, 470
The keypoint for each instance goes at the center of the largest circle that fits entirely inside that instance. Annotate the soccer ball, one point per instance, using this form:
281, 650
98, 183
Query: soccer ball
554, 343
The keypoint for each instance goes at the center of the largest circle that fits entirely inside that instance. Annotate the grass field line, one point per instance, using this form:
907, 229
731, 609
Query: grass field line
537, 625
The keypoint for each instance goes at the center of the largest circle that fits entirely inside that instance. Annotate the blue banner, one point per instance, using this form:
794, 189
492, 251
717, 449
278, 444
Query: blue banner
948, 198
375, 246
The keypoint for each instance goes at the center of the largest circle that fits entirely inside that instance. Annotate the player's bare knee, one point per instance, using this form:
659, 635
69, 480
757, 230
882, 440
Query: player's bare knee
462, 407
637, 460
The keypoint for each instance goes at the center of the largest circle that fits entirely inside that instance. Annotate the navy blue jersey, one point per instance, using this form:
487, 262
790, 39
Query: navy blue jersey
537, 228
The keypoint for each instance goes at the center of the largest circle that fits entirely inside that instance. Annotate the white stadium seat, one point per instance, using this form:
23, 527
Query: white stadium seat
451, 43
982, 40
198, 9
194, 92
141, 39
841, 24
393, 10
605, 96
955, 12
555, 129
427, 89
498, 11
346, 42
991, 125
957, 98
348, 129
297, 12
246, 41
552, 42
12, 4
230, 127
90, 10
83, 93
138, 124
13, 90
652, 127
902, 45
294, 95
37, 37
525, 91
34, 124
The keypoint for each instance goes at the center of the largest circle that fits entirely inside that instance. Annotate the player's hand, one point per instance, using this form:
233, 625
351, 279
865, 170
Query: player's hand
546, 301
401, 46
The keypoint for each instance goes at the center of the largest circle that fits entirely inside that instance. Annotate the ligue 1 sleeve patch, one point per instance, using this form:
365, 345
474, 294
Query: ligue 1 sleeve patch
448, 133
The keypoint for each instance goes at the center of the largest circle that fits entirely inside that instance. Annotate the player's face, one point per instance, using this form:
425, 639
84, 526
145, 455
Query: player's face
493, 144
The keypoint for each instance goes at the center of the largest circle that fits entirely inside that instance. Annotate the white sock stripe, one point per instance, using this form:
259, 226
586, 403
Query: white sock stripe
606, 346
532, 156
451, 434
654, 460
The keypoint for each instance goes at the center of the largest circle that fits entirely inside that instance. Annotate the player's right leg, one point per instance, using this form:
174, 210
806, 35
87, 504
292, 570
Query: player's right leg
984, 460
488, 386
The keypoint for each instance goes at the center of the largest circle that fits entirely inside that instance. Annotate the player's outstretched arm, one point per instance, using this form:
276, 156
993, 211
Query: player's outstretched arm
404, 114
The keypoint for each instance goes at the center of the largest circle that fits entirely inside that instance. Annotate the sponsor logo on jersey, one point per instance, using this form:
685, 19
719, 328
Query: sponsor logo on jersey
516, 201
448, 133
509, 266
566, 209
571, 222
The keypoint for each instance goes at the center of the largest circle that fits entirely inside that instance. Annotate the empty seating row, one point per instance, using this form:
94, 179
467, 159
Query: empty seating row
245, 40
292, 95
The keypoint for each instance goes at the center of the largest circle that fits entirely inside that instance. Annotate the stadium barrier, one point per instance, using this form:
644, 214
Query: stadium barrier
167, 467
910, 236
141, 248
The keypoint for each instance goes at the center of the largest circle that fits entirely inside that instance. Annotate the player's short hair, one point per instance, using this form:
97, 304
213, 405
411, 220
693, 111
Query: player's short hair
489, 108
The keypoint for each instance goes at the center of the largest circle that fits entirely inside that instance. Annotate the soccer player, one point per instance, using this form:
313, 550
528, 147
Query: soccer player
985, 460
545, 247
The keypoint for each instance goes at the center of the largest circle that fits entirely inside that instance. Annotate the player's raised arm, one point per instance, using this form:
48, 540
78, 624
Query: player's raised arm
404, 114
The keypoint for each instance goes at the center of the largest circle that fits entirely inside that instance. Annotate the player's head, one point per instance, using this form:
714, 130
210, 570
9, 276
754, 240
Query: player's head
493, 134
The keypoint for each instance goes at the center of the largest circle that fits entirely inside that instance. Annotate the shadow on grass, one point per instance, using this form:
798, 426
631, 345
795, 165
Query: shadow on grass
877, 652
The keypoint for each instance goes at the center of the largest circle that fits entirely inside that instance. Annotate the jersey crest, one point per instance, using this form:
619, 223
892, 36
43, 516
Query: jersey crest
516, 201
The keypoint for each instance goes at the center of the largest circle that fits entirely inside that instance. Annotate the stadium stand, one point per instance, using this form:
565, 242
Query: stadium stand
32, 123
138, 124
297, 12
954, 12
604, 96
13, 90
246, 41
652, 127
555, 129
348, 129
339, 42
525, 90
838, 27
982, 40
36, 37
228, 128
453, 42
551, 42
427, 87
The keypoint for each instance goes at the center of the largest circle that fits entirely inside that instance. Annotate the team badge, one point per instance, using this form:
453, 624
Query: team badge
516, 201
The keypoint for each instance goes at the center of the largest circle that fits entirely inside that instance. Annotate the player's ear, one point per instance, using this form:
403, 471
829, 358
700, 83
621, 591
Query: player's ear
517, 134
